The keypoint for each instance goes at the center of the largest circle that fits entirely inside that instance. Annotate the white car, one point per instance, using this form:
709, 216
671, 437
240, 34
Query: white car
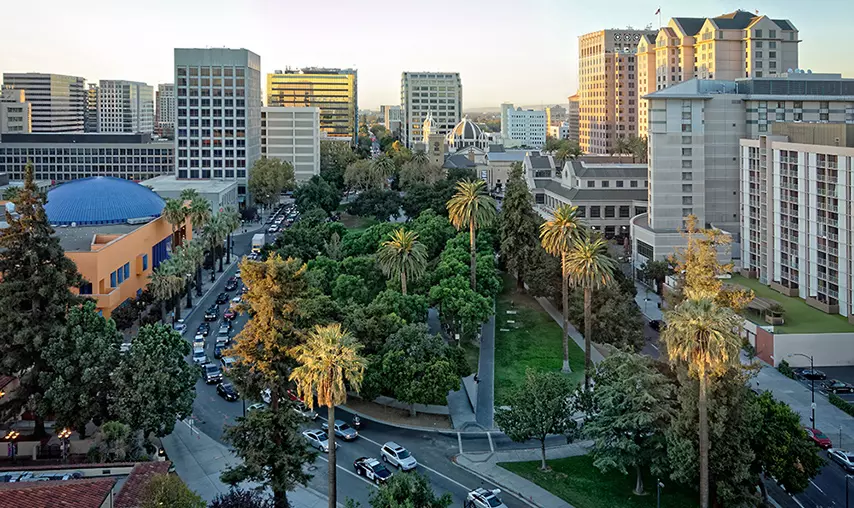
317, 438
305, 411
180, 326
256, 407
843, 458
199, 340
398, 456
483, 498
199, 357
237, 274
237, 299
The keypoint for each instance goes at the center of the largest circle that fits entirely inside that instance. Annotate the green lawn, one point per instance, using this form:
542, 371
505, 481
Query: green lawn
356, 223
799, 317
578, 482
533, 341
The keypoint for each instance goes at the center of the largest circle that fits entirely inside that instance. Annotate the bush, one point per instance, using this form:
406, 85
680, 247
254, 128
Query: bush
839, 402
749, 349
786, 370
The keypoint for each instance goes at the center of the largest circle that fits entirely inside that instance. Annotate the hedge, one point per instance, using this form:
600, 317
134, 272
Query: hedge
841, 403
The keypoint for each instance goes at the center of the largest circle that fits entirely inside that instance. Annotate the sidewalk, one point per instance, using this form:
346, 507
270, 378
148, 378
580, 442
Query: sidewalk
199, 460
574, 334
648, 302
485, 466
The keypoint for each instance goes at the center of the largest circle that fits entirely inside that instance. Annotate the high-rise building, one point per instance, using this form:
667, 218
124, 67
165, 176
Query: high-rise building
440, 93
607, 88
731, 46
573, 115
218, 119
293, 135
164, 117
16, 114
58, 102
125, 106
524, 127
391, 118
334, 91
90, 115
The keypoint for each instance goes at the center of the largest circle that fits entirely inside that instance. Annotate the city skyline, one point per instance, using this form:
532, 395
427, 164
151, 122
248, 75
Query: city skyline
542, 53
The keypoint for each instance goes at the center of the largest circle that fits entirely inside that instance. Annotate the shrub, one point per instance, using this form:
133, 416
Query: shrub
841, 403
786, 370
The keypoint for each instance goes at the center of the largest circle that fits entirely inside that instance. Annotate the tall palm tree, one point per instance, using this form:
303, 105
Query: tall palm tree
420, 158
402, 254
556, 237
199, 212
192, 255
471, 206
589, 267
175, 214
190, 195
703, 335
329, 361
231, 219
382, 167
166, 283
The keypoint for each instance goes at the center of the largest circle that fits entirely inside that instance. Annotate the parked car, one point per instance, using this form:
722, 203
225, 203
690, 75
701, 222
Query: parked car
231, 284
225, 340
657, 325
218, 349
317, 438
244, 290
222, 298
342, 430
843, 458
180, 326
229, 315
237, 299
237, 274
837, 386
484, 498
256, 407
813, 375
199, 357
398, 456
212, 374
227, 363
372, 469
212, 314
819, 438
227, 391
304, 410
204, 329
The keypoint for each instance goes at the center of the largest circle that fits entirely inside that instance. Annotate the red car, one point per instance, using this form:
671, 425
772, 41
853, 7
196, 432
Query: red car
819, 438
229, 315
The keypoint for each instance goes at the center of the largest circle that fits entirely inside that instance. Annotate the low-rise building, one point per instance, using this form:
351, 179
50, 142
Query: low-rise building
16, 113
219, 193
292, 134
559, 131
523, 127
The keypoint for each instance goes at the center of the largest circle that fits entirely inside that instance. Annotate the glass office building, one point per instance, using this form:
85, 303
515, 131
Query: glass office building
334, 91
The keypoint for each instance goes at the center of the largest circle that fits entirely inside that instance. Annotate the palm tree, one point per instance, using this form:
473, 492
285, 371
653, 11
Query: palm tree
199, 212
190, 195
175, 214
215, 234
192, 255
231, 219
402, 254
382, 167
471, 206
329, 361
703, 335
556, 237
166, 283
420, 158
589, 267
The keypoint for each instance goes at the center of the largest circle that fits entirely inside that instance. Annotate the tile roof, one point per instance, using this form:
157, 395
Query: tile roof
137, 481
610, 170
690, 26
458, 161
85, 493
540, 162
576, 195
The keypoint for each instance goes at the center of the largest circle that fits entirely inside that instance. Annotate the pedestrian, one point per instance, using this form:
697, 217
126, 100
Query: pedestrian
476, 379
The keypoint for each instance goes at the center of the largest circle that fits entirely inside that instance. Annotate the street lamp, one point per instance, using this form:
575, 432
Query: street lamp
812, 384
13, 447
64, 438
658, 487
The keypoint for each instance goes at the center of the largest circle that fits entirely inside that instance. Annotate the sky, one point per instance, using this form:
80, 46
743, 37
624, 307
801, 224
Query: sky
523, 52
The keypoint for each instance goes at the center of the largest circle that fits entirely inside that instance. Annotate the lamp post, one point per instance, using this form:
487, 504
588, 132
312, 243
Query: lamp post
658, 487
812, 384
189, 277
13, 446
64, 439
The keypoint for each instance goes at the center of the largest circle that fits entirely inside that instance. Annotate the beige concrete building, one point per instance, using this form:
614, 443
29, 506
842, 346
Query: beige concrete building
728, 47
573, 115
58, 101
439, 93
16, 114
607, 88
292, 134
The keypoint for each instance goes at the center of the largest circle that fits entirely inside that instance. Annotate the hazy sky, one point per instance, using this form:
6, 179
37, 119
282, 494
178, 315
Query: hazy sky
506, 50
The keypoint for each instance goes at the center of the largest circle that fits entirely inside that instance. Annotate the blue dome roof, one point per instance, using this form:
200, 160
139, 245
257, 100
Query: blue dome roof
101, 200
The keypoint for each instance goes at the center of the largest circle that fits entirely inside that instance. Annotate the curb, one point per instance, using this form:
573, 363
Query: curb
517, 495
450, 432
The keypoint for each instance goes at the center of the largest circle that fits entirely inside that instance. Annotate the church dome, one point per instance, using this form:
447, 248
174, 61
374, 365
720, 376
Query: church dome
465, 134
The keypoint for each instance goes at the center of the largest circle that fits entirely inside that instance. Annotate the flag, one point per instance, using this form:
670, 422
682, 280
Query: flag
658, 11
757, 11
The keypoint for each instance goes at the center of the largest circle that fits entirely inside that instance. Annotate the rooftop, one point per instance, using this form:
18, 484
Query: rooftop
93, 138
596, 195
507, 155
77, 239
170, 183
84, 493
101, 200
582, 169
137, 481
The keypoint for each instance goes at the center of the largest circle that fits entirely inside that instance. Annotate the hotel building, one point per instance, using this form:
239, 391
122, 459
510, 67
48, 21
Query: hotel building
333, 91
58, 102
439, 93
292, 134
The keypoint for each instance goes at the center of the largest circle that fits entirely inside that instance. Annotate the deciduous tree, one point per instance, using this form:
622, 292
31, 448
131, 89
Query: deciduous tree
317, 193
408, 490
379, 203
169, 490
268, 178
236, 498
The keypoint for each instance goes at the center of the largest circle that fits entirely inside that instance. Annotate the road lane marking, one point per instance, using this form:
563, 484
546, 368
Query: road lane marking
460, 441
491, 446
799, 503
342, 468
653, 346
816, 486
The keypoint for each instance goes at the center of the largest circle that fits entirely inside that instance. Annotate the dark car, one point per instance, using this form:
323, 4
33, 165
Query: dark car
222, 298
204, 329
657, 325
812, 374
837, 386
212, 373
227, 391
231, 285
818, 437
218, 349
212, 314
372, 469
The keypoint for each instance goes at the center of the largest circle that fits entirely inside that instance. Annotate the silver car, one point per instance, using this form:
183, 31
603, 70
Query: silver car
483, 498
843, 458
317, 438
199, 357
342, 430
398, 456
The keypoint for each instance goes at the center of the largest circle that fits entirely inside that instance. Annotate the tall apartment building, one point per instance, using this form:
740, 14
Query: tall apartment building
58, 101
164, 115
125, 106
440, 93
218, 119
391, 117
730, 46
573, 117
90, 115
797, 198
334, 91
525, 127
694, 147
16, 114
292, 135
607, 88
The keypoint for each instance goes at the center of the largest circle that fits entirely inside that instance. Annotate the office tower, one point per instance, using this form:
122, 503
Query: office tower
524, 127
16, 114
607, 88
731, 46
573, 115
218, 120
334, 91
58, 102
292, 135
440, 93
125, 106
391, 118
164, 118
90, 116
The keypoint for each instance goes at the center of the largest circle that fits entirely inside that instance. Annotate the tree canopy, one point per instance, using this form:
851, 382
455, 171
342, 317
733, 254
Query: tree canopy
268, 178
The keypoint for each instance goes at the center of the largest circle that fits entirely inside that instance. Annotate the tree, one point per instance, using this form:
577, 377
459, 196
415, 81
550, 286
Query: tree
116, 442
175, 213
408, 490
10, 193
34, 296
632, 408
169, 490
557, 237
433, 230
231, 221
402, 255
517, 226
471, 207
656, 271
617, 319
376, 202
329, 361
167, 282
236, 498
215, 233
335, 156
702, 335
273, 452
189, 195
420, 197
363, 175
317, 193
191, 256
541, 406
154, 384
383, 166
589, 267
461, 309
420, 170
268, 178
83, 359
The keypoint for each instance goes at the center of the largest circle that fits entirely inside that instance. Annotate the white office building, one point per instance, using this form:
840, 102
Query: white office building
58, 102
439, 93
523, 127
125, 107
16, 114
292, 134
164, 117
391, 117
218, 119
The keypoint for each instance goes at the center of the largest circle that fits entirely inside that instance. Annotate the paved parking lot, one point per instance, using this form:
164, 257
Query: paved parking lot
845, 374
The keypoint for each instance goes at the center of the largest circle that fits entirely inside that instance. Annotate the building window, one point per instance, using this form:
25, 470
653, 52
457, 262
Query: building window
633, 183
686, 127
687, 200
687, 164
686, 152
687, 176
127, 271
595, 212
644, 249
619, 183
582, 211
86, 289
686, 140
763, 127
687, 187
757, 34
687, 211
145, 261
113, 280
591, 184
609, 212
624, 211
605, 184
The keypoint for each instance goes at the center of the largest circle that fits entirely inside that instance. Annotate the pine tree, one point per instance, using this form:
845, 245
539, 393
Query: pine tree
34, 295
518, 225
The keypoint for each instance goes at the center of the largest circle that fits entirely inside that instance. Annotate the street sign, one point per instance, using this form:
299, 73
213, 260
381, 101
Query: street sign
812, 405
